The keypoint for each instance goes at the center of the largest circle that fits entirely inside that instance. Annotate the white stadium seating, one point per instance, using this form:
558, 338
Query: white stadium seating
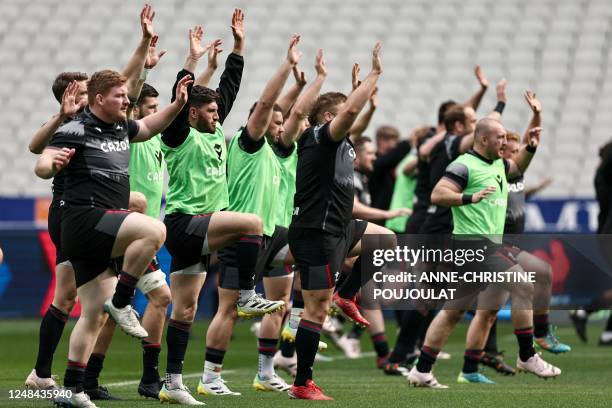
559, 48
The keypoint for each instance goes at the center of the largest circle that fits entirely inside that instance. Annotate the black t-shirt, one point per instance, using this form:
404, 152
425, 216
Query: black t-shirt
422, 191
97, 175
440, 219
515, 213
324, 182
382, 179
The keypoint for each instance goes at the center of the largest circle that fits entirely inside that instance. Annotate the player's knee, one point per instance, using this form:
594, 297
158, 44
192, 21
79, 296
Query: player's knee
252, 225
138, 202
453, 316
544, 276
523, 291
186, 313
155, 234
162, 299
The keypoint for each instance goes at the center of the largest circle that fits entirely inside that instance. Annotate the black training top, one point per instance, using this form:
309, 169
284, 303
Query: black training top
382, 179
440, 219
324, 182
515, 213
97, 175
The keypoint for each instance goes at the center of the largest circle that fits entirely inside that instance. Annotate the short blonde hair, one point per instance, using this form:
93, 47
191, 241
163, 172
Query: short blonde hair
513, 137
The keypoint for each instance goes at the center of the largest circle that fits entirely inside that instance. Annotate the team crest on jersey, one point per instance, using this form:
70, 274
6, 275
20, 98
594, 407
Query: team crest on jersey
352, 153
218, 150
159, 156
498, 178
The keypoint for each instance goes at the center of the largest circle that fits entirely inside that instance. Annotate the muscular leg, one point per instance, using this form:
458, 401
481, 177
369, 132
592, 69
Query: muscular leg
82, 340
52, 324
185, 289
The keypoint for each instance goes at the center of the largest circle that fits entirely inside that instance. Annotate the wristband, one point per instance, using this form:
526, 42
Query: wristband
466, 199
500, 107
144, 73
531, 149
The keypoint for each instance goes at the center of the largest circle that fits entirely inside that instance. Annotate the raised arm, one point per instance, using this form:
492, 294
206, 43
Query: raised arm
341, 124
134, 66
304, 104
196, 50
536, 108
262, 114
214, 49
68, 109
363, 121
287, 100
238, 31
475, 99
501, 100
428, 145
520, 164
153, 57
232, 75
154, 124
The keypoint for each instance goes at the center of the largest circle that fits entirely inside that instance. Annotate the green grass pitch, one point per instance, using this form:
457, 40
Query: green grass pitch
586, 380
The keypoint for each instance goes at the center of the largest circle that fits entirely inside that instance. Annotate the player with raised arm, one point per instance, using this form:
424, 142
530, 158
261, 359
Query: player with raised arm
253, 175
286, 151
468, 180
196, 225
96, 226
322, 233
73, 87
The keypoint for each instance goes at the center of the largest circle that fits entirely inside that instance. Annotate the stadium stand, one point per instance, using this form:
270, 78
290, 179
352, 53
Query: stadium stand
559, 48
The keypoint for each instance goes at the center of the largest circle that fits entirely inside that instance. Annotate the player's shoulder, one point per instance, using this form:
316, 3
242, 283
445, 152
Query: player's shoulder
74, 127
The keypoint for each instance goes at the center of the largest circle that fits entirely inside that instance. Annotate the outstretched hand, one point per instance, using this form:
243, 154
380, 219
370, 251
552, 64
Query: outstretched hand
238, 25
293, 55
153, 56
146, 21
214, 49
300, 77
533, 138
376, 62
320, 63
196, 50
69, 108
181, 93
501, 91
355, 82
533, 102
480, 76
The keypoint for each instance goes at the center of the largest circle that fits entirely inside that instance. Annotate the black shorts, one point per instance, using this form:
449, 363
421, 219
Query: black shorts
319, 255
187, 242
54, 223
272, 248
88, 235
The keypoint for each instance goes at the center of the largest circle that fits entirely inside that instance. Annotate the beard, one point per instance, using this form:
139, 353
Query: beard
204, 126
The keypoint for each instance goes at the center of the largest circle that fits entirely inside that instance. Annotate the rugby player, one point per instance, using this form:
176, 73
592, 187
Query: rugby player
322, 233
466, 183
93, 151
254, 175
196, 225
70, 89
